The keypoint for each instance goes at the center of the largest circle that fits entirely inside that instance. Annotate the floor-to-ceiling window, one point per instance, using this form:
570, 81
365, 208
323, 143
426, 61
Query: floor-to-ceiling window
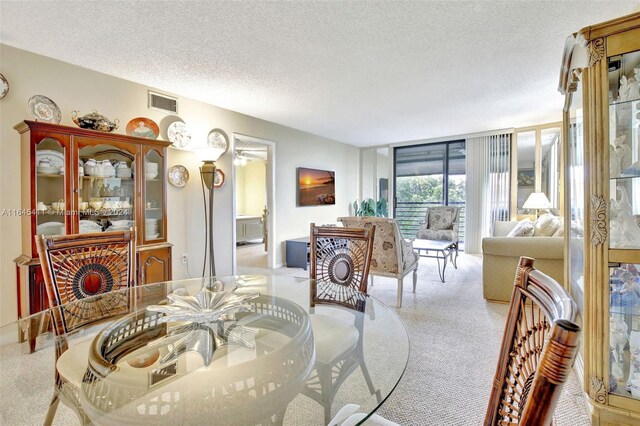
428, 175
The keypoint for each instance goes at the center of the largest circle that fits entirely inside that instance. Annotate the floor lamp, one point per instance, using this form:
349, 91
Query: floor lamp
208, 177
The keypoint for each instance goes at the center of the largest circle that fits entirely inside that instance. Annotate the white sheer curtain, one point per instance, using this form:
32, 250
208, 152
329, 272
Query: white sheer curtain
488, 186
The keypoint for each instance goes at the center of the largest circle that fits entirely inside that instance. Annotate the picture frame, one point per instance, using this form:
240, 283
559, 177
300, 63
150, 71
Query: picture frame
526, 177
383, 189
315, 187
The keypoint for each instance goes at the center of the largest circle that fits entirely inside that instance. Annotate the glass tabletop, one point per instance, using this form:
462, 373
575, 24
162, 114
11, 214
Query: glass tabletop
264, 366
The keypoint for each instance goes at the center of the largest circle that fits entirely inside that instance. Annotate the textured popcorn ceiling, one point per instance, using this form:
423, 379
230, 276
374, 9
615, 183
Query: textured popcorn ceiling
364, 73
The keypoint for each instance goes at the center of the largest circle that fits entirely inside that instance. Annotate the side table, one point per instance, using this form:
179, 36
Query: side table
297, 253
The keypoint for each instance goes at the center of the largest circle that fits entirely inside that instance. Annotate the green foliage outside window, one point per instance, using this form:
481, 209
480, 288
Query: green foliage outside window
428, 189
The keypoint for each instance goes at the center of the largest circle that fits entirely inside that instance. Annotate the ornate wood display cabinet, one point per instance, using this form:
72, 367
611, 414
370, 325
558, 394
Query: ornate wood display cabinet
600, 79
77, 181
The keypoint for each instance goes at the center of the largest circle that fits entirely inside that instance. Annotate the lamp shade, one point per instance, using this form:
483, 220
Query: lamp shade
537, 200
217, 143
210, 153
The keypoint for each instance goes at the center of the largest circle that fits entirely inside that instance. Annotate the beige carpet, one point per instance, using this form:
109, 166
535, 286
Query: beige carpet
455, 337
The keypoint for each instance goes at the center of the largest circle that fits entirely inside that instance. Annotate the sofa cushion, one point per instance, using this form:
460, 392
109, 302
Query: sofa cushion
546, 225
524, 228
560, 231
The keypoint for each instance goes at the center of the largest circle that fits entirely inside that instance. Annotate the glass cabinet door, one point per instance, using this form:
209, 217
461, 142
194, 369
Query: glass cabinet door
574, 220
624, 221
574, 199
154, 166
106, 189
51, 206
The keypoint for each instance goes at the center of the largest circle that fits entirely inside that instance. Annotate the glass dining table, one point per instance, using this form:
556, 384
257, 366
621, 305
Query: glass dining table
164, 360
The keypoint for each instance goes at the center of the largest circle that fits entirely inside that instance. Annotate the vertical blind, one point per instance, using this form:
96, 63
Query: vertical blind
488, 186
499, 176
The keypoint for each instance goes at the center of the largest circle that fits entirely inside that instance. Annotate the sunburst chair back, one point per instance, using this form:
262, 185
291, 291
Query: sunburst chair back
340, 260
79, 266
539, 348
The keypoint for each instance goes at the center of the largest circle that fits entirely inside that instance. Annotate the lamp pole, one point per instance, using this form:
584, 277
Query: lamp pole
207, 176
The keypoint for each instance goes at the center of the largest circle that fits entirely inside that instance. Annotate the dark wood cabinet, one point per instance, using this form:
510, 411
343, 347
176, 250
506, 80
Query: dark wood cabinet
77, 181
154, 264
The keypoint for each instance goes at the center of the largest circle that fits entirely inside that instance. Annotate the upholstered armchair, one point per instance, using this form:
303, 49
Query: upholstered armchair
441, 223
392, 256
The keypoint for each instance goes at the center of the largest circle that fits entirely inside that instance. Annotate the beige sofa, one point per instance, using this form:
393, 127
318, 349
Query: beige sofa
500, 255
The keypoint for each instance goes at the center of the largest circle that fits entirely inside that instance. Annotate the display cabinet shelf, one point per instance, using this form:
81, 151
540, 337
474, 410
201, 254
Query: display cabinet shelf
623, 103
85, 177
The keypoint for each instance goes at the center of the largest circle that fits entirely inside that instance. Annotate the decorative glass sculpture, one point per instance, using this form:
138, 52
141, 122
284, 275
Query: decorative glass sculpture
210, 318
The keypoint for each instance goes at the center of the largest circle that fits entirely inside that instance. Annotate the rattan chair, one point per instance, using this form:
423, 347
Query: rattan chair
539, 347
340, 259
76, 267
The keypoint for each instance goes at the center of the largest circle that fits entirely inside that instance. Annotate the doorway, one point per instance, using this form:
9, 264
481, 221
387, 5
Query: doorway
253, 204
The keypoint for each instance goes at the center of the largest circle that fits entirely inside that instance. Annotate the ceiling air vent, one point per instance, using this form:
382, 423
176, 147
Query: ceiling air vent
163, 102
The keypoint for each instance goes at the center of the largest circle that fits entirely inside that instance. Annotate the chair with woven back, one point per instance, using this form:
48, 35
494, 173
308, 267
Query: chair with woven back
83, 274
539, 348
340, 259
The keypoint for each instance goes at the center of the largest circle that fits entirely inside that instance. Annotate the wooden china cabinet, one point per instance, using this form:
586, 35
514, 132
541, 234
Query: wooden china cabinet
78, 181
600, 79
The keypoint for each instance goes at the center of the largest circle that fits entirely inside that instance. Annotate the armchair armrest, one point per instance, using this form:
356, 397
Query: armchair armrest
409, 257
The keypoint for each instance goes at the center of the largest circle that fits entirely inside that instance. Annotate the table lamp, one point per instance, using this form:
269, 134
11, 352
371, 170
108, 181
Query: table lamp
537, 201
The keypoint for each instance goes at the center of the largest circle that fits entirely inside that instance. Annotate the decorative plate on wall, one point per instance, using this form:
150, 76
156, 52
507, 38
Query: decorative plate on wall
218, 179
44, 109
178, 176
4, 86
179, 135
143, 127
218, 140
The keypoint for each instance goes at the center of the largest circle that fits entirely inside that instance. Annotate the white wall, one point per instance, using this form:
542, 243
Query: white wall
76, 88
251, 193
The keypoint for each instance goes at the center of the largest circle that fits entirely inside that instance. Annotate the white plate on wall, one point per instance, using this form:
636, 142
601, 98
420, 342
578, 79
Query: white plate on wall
179, 135
178, 176
44, 109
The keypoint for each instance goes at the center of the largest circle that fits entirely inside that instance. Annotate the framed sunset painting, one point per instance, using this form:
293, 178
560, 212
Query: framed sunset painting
316, 187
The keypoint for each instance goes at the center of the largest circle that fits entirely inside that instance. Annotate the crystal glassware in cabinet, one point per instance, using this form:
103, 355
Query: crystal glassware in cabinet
154, 197
51, 206
106, 189
624, 330
624, 150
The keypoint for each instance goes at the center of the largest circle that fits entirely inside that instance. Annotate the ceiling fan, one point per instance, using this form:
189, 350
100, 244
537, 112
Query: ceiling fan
244, 155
